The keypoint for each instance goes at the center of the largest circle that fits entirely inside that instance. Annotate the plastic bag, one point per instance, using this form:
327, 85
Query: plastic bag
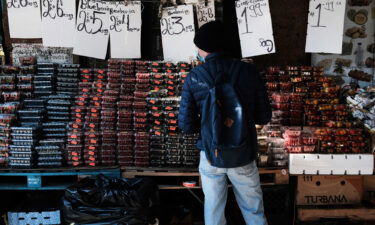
103, 200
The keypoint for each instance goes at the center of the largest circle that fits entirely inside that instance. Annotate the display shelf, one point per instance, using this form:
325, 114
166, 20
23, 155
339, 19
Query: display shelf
331, 164
50, 179
172, 178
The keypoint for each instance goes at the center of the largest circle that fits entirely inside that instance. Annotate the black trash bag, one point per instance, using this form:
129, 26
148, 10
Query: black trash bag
103, 200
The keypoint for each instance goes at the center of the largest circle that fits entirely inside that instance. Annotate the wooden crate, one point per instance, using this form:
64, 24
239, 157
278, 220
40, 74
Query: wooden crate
315, 214
329, 190
178, 175
369, 189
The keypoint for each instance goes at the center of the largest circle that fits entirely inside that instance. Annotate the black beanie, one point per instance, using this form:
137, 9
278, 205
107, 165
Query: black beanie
209, 37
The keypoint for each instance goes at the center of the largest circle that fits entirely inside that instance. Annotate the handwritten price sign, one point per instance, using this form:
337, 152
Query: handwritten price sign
24, 18
92, 29
205, 13
255, 27
125, 29
177, 30
325, 26
58, 22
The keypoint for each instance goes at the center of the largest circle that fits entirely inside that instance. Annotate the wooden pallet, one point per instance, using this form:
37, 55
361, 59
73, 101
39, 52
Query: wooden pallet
268, 176
351, 213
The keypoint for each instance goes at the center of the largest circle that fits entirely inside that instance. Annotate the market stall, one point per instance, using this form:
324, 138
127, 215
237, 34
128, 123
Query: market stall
93, 87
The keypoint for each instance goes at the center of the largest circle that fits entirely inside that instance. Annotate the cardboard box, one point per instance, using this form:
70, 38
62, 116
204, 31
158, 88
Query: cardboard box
329, 190
369, 189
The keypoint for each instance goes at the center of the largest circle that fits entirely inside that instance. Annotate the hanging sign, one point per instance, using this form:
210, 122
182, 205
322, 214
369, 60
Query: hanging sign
205, 13
92, 29
325, 26
24, 18
177, 30
255, 27
58, 22
125, 29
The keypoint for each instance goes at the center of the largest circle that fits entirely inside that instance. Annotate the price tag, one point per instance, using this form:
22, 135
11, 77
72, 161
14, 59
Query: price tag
58, 22
24, 18
177, 30
205, 13
325, 26
125, 29
92, 29
255, 27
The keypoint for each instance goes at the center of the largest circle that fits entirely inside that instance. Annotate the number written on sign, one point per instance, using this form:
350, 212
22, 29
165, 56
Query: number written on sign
117, 22
91, 24
173, 26
21, 4
54, 10
328, 6
266, 44
252, 12
205, 14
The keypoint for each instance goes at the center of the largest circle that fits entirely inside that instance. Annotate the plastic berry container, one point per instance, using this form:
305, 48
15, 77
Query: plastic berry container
139, 105
125, 153
125, 120
292, 141
355, 132
293, 132
280, 97
141, 136
274, 133
294, 149
307, 140
140, 114
124, 127
272, 78
273, 86
141, 94
296, 97
301, 89
296, 106
125, 114
280, 114
124, 104
273, 70
281, 106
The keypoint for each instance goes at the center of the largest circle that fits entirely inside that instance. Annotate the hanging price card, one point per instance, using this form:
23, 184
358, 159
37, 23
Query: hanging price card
92, 29
325, 26
255, 27
205, 13
24, 18
177, 30
58, 22
125, 29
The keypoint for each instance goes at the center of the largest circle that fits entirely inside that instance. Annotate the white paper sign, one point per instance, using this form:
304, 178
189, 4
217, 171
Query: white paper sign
255, 27
92, 29
24, 18
43, 54
325, 26
177, 30
205, 13
125, 29
58, 22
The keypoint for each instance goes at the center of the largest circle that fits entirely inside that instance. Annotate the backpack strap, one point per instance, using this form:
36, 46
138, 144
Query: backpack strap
205, 76
234, 71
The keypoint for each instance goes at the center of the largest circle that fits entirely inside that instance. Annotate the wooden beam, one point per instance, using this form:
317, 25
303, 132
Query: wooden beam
362, 214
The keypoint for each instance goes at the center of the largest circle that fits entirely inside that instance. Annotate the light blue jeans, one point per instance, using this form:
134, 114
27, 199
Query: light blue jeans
246, 187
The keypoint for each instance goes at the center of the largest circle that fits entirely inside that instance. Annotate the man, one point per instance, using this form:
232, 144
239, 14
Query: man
244, 178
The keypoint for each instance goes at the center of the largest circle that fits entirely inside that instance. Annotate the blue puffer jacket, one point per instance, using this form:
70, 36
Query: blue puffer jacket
249, 84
